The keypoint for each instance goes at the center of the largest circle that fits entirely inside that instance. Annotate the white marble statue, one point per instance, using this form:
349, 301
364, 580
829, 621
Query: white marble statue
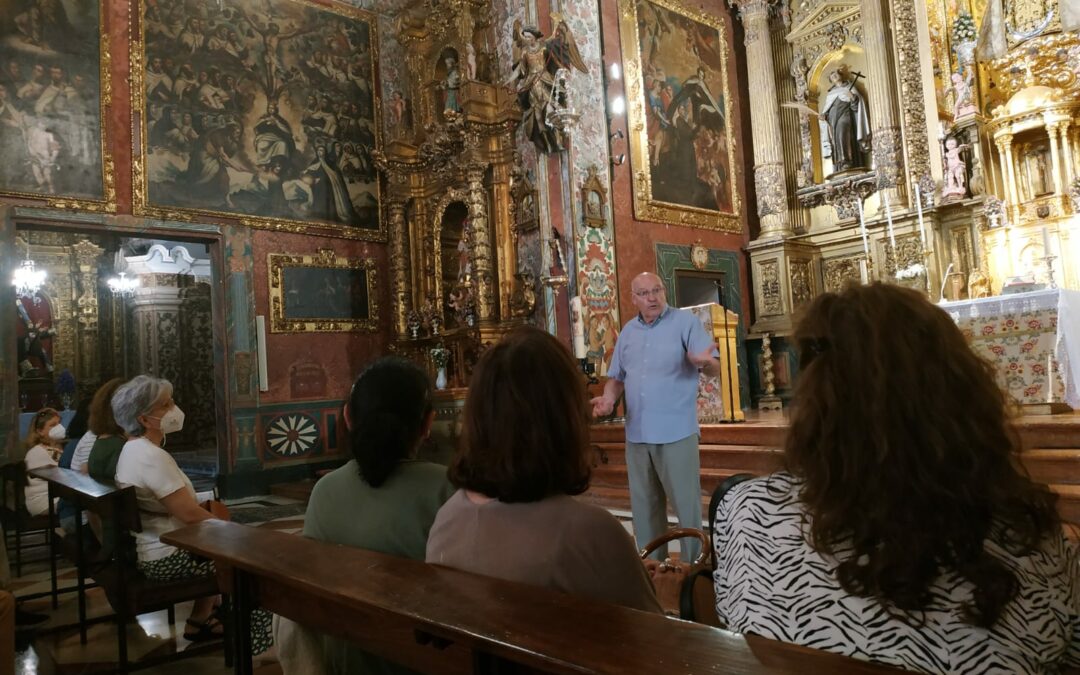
955, 170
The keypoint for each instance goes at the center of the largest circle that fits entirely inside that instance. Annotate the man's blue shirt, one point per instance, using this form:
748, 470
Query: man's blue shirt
661, 384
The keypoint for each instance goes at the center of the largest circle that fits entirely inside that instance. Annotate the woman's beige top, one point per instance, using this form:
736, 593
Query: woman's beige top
558, 542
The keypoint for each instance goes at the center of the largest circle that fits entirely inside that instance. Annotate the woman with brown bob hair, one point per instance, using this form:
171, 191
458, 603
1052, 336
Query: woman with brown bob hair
903, 530
523, 455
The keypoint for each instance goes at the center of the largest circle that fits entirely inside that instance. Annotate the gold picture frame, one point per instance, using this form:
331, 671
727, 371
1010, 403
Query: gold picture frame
322, 293
63, 131
297, 30
656, 187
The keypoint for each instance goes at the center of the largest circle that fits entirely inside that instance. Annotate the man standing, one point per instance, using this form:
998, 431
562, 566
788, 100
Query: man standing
656, 362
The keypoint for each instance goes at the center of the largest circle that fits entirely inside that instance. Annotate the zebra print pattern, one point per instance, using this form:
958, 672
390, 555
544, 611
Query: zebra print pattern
771, 582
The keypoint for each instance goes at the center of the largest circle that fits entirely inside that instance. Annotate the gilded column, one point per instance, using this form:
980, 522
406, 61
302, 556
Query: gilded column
772, 198
1054, 131
1067, 172
481, 243
1011, 189
885, 130
399, 266
503, 221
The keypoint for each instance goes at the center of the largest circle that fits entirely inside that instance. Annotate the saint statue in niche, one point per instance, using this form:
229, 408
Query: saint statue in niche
452, 83
1035, 171
845, 124
536, 61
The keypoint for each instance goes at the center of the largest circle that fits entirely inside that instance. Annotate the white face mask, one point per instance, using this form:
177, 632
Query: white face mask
172, 421
58, 433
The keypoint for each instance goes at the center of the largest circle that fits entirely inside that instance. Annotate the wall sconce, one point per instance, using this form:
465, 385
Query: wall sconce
619, 158
618, 106
615, 71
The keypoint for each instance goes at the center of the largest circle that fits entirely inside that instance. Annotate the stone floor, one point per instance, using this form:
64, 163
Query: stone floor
53, 648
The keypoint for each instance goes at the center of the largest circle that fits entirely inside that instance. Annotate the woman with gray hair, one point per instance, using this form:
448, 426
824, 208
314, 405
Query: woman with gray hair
145, 410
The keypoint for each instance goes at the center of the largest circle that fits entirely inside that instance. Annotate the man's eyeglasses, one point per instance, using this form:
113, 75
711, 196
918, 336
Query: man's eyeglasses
654, 292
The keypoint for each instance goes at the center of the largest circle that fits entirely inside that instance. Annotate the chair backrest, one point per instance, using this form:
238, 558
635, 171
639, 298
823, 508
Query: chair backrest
714, 504
13, 482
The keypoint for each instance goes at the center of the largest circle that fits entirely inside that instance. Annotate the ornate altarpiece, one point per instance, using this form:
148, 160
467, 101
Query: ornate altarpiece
454, 189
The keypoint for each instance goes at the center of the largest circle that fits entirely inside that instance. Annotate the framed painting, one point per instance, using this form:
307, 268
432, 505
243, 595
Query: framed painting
682, 142
54, 89
322, 293
261, 111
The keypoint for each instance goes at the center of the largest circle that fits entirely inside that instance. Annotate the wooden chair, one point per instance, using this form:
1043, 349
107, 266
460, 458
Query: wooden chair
129, 592
685, 590
16, 520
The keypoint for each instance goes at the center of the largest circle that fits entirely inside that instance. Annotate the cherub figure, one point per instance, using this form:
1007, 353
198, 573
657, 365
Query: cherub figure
964, 105
955, 170
536, 60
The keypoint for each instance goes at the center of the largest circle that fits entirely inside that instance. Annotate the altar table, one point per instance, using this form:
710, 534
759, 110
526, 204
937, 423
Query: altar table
1022, 335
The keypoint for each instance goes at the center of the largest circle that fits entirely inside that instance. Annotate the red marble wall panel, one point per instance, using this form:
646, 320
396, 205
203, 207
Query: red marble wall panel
340, 356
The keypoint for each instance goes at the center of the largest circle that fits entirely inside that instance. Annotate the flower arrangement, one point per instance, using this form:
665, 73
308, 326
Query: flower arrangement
911, 271
963, 29
440, 356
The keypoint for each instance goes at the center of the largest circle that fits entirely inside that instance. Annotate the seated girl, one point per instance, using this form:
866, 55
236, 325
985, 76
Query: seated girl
903, 530
43, 443
523, 456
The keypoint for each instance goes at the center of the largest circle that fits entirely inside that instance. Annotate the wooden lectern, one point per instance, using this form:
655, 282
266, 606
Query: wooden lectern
718, 397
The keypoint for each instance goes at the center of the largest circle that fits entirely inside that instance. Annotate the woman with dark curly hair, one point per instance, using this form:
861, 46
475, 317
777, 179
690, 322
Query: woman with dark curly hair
523, 456
903, 530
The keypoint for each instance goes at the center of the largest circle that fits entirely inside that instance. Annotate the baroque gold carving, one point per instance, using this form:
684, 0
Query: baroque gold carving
769, 288
801, 282
912, 102
839, 272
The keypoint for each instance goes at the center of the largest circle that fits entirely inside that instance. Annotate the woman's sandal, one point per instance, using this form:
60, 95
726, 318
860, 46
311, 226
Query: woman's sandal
211, 629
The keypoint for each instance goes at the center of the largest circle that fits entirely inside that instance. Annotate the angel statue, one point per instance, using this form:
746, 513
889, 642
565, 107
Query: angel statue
536, 62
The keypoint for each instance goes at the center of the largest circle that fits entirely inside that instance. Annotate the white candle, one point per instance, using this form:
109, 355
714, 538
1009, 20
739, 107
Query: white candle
888, 217
922, 225
1046, 242
577, 327
864, 275
862, 228
1049, 374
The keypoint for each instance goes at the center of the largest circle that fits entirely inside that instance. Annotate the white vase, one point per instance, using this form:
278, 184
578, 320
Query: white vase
965, 52
440, 378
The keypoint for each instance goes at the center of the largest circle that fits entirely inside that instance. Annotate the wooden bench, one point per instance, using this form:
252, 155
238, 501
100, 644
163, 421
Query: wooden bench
434, 619
112, 564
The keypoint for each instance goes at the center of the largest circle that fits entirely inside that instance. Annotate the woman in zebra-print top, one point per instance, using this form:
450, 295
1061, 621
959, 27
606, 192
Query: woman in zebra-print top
903, 530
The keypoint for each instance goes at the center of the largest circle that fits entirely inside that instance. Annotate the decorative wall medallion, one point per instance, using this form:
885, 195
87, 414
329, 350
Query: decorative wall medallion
322, 293
292, 435
264, 113
699, 255
687, 177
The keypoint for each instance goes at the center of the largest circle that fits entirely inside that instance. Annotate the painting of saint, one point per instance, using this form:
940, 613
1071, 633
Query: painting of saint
50, 99
680, 57
261, 110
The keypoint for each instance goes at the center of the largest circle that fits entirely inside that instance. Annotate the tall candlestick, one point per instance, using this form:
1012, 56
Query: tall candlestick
862, 228
922, 225
577, 327
1049, 378
864, 275
1046, 241
888, 217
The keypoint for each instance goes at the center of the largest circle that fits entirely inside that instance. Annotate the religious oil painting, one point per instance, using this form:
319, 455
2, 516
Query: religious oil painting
53, 61
680, 115
322, 293
264, 111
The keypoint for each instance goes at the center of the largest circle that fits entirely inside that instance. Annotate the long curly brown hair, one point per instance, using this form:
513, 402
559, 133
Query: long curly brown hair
903, 446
